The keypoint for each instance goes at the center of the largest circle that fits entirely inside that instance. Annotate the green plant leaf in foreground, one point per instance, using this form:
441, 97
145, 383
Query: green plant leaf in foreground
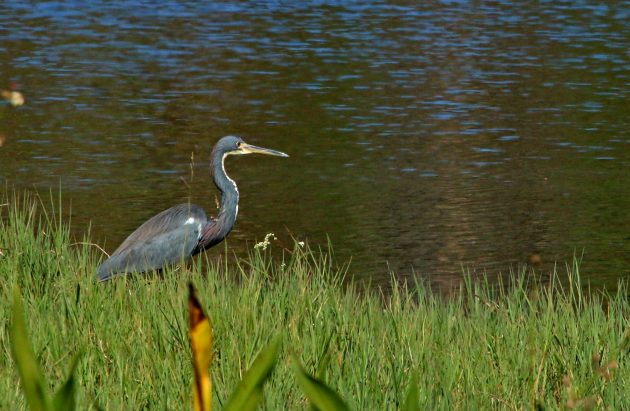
321, 396
64, 398
411, 402
33, 384
248, 393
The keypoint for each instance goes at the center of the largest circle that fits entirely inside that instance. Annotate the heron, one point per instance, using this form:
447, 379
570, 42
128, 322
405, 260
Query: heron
182, 231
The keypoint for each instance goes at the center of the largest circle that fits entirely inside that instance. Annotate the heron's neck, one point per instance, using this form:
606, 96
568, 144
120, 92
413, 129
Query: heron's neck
229, 193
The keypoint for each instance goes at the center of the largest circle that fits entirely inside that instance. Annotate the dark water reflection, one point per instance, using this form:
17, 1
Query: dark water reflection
423, 138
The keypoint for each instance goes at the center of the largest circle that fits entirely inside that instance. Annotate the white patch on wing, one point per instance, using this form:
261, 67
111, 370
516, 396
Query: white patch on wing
192, 220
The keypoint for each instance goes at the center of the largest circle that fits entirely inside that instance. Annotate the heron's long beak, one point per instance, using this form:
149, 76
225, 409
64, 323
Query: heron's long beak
249, 149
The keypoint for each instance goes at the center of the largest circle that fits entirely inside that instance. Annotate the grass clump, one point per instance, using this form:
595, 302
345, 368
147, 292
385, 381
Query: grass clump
550, 345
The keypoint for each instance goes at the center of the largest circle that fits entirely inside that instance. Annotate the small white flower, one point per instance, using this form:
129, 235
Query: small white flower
265, 243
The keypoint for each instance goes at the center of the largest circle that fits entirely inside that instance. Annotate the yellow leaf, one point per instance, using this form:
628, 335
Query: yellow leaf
201, 344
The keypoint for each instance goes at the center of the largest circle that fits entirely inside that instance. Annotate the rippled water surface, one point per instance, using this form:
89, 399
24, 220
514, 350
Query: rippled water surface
423, 139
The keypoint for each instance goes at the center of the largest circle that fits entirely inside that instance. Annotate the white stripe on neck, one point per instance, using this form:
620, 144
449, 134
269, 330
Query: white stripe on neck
224, 173
230, 180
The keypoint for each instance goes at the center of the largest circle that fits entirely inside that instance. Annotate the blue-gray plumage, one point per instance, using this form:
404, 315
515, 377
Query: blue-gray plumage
180, 232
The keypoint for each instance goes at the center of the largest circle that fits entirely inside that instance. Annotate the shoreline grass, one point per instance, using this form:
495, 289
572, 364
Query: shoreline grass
549, 345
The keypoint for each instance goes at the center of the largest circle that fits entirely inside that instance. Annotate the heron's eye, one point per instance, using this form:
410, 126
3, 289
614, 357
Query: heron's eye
238, 144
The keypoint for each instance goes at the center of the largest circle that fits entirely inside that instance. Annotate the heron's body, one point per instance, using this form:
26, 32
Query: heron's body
184, 230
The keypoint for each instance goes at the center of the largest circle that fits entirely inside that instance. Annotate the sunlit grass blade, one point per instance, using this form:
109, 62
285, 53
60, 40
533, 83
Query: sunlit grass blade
321, 396
412, 399
249, 391
33, 384
64, 399
201, 344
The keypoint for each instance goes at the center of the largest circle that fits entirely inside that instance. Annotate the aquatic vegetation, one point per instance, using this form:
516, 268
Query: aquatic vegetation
551, 344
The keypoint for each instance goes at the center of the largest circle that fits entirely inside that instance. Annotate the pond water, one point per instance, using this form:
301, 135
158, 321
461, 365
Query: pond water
424, 139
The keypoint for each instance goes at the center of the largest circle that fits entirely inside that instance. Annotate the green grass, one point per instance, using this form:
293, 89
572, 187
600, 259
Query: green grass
515, 347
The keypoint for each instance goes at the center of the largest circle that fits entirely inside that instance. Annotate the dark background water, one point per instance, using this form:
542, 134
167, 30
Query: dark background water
423, 138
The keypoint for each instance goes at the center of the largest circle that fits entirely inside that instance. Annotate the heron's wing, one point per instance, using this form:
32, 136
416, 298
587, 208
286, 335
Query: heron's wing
167, 238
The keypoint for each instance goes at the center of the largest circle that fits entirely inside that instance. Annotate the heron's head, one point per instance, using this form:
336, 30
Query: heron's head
232, 145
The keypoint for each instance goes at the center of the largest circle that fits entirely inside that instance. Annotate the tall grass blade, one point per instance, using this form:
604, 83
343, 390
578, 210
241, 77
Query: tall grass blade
325, 360
201, 344
248, 393
33, 384
321, 396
